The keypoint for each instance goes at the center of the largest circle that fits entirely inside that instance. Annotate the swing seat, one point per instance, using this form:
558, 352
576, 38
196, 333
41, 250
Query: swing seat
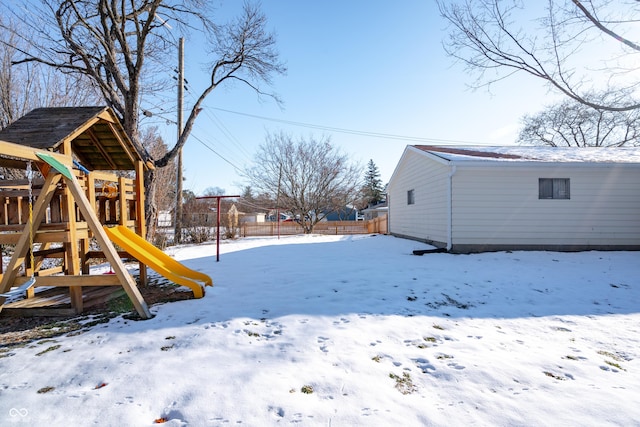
20, 289
32, 280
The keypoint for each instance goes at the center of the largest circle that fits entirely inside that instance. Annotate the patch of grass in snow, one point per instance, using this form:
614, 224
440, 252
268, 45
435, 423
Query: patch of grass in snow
46, 389
166, 347
615, 365
438, 327
444, 356
307, 389
120, 305
431, 340
56, 328
448, 301
52, 348
96, 320
616, 357
554, 376
404, 384
5, 352
376, 358
610, 355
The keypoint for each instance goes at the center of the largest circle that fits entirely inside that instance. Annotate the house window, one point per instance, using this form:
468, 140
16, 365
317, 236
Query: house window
410, 197
553, 188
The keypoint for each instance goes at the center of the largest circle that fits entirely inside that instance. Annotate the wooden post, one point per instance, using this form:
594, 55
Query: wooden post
122, 201
102, 209
141, 224
84, 245
71, 250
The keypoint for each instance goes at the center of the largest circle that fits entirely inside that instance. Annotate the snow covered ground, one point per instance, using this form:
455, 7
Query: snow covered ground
350, 331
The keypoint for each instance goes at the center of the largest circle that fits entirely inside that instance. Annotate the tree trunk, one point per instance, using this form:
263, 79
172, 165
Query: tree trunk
150, 208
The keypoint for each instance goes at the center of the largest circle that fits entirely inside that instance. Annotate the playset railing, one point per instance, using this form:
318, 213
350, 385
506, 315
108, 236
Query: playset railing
114, 201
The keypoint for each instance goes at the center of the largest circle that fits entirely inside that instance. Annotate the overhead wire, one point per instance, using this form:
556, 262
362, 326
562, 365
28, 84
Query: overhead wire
236, 167
225, 132
242, 151
220, 124
159, 112
348, 131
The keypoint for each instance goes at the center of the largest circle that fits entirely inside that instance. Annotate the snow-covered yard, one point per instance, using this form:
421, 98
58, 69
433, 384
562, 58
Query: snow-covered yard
346, 331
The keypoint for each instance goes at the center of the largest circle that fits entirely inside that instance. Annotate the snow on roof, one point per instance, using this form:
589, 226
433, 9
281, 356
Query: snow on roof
535, 154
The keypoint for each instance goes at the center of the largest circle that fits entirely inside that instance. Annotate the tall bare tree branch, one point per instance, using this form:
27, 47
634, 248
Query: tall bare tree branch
124, 45
498, 38
571, 124
246, 54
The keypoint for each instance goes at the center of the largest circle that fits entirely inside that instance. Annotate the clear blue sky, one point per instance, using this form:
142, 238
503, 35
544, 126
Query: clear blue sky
367, 66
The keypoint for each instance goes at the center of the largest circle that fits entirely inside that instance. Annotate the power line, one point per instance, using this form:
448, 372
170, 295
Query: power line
351, 131
220, 124
237, 168
223, 130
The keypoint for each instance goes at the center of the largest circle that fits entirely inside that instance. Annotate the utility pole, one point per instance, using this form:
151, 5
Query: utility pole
278, 200
177, 232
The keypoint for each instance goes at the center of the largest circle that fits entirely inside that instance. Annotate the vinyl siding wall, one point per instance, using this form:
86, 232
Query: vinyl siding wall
426, 219
498, 206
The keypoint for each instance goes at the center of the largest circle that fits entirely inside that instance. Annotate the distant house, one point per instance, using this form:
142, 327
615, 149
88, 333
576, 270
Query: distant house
253, 217
470, 199
375, 211
165, 219
345, 213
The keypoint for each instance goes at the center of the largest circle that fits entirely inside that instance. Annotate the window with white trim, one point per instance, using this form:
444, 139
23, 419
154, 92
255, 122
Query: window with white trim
411, 198
553, 188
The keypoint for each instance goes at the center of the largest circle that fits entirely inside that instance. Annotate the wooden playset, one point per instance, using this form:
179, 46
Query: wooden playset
75, 195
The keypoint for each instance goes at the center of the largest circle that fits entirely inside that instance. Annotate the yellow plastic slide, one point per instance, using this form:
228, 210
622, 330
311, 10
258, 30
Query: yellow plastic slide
162, 263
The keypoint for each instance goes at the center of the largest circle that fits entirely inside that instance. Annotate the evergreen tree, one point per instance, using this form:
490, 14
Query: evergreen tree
372, 190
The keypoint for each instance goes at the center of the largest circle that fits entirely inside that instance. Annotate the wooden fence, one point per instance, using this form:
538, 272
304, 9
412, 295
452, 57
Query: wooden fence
376, 225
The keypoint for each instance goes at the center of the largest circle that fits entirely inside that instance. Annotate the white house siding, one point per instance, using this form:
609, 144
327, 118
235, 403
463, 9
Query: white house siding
426, 219
497, 206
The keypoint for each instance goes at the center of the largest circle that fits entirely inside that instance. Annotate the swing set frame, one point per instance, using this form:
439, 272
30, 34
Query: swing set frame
71, 206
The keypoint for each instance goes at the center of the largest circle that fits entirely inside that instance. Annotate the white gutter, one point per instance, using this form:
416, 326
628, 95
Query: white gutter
450, 208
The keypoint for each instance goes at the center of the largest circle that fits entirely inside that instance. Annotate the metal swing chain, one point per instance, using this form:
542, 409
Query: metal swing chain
30, 180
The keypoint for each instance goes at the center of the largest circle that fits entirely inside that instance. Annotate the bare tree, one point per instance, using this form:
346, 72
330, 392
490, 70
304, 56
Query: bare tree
165, 179
580, 48
121, 44
250, 202
214, 191
309, 178
571, 124
28, 86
